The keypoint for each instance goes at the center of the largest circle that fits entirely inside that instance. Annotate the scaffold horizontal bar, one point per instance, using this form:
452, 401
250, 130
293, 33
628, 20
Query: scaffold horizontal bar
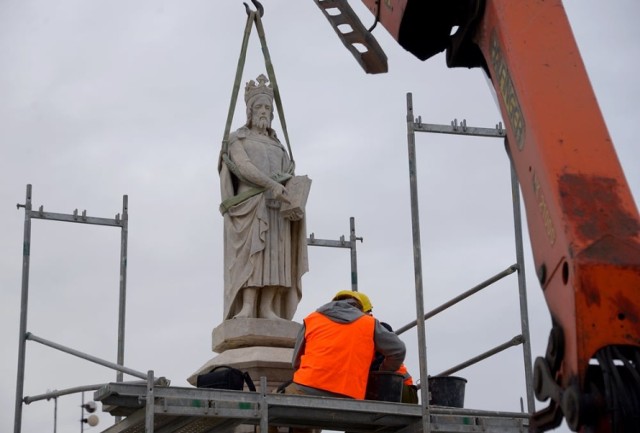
510, 270
518, 339
60, 347
328, 243
460, 130
73, 218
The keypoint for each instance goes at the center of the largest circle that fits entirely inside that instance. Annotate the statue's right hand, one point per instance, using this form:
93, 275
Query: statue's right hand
280, 193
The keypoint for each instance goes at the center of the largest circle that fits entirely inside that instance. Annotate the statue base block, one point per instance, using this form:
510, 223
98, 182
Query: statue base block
236, 333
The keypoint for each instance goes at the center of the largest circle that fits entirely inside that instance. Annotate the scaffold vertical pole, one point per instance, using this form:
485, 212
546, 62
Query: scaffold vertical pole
124, 233
417, 264
22, 340
354, 255
522, 288
150, 406
264, 407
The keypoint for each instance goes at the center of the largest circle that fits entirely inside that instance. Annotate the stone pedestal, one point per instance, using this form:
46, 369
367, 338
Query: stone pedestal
263, 347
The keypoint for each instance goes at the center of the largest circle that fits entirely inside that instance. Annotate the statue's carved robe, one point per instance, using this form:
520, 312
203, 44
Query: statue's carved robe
261, 248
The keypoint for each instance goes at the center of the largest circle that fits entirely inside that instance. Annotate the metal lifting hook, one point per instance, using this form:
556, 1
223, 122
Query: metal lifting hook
258, 6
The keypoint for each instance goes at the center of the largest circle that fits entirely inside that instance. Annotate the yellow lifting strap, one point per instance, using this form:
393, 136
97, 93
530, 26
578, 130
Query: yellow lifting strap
254, 17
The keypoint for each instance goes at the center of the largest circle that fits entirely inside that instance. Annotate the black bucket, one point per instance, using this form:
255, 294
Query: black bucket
447, 391
384, 386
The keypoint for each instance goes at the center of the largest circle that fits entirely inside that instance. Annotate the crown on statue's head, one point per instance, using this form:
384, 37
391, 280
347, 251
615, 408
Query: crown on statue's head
262, 88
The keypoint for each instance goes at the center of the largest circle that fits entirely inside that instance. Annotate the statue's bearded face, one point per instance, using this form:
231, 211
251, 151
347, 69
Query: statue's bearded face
262, 112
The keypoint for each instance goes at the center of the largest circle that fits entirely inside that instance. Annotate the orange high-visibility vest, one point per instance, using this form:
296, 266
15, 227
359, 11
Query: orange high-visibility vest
337, 356
408, 380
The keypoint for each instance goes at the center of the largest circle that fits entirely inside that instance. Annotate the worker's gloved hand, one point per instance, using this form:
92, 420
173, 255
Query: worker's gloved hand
378, 359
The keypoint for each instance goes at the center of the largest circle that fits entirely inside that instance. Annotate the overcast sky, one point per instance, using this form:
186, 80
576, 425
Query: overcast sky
106, 98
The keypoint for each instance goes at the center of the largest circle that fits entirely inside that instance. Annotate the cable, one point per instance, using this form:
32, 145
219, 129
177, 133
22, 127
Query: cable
375, 23
621, 386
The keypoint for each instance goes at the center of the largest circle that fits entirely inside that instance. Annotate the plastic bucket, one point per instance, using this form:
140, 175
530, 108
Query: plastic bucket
384, 386
447, 391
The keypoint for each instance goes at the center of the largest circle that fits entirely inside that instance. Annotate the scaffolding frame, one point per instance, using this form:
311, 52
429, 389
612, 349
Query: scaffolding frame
119, 221
176, 409
342, 243
415, 125
201, 410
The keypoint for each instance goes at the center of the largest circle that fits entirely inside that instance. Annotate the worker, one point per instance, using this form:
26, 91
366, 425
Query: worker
409, 390
335, 346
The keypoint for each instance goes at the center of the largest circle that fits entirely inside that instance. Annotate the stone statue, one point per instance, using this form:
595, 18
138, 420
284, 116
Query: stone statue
265, 246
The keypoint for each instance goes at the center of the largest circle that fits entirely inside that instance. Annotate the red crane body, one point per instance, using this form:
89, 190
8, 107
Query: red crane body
583, 222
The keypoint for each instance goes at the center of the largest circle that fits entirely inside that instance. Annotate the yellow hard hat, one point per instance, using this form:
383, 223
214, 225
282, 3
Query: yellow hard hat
366, 302
359, 296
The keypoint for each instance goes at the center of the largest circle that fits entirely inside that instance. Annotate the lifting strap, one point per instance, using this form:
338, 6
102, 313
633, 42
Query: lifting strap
253, 17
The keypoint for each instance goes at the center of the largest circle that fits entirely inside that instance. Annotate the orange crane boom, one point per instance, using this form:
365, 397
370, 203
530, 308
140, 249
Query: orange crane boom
583, 222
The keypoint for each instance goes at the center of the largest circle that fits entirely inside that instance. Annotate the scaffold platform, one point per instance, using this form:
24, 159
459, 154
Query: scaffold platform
198, 410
